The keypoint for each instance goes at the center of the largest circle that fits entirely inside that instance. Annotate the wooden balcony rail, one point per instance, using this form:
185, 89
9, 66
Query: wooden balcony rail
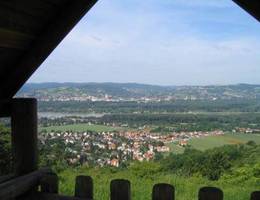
120, 189
21, 185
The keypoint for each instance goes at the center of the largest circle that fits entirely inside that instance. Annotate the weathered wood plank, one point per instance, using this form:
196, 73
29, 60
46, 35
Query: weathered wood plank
46, 196
8, 57
55, 2
50, 183
37, 9
5, 108
16, 21
163, 191
16, 40
19, 186
120, 189
210, 193
6, 178
84, 187
24, 135
51, 35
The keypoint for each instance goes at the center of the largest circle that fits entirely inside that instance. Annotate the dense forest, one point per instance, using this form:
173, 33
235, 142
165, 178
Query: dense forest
233, 105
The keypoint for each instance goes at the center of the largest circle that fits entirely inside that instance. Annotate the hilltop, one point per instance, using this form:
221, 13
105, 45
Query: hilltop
134, 91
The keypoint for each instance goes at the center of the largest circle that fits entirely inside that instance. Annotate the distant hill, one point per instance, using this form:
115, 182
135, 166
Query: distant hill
135, 90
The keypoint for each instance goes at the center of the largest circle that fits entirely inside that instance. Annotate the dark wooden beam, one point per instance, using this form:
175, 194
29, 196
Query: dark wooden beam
14, 39
19, 186
163, 191
251, 6
120, 189
5, 108
51, 36
50, 184
24, 135
84, 187
48, 196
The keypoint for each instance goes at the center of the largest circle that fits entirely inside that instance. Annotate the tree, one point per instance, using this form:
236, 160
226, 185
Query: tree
5, 151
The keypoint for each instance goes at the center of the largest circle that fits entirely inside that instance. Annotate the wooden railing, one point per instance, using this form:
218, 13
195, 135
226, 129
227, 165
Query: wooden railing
120, 189
43, 185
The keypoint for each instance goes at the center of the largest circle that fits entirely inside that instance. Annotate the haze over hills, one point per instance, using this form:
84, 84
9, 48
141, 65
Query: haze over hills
134, 91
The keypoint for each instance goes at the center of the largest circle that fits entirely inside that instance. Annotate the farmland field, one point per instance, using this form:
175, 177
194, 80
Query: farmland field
81, 127
229, 138
217, 141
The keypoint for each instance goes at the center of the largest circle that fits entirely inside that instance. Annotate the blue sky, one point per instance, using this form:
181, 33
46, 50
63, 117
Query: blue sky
165, 42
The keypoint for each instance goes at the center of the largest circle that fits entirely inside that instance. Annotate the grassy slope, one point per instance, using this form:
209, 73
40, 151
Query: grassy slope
216, 141
81, 128
186, 188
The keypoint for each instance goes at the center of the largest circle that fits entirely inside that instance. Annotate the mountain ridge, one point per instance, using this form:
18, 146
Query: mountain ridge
136, 90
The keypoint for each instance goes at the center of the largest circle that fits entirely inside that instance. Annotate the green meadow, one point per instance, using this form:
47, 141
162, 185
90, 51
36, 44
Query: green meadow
217, 141
209, 142
81, 127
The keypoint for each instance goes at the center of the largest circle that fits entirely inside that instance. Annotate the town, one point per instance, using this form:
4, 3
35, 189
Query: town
116, 148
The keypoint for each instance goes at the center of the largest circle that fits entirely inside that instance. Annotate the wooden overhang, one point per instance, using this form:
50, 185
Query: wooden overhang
251, 6
31, 29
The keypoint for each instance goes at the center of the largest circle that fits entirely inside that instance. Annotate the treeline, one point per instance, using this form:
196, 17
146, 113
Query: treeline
167, 122
5, 151
185, 122
213, 163
232, 105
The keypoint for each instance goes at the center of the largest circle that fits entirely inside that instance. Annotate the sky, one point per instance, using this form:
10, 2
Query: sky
163, 42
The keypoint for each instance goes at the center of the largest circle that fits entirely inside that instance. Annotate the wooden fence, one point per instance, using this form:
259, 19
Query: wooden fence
43, 185
120, 189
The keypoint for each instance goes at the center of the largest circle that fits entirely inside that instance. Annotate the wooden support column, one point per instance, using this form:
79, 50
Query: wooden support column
50, 183
255, 195
24, 135
210, 193
5, 108
120, 190
84, 187
163, 191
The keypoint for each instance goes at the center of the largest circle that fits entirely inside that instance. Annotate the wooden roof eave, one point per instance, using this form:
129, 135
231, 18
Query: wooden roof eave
251, 6
60, 25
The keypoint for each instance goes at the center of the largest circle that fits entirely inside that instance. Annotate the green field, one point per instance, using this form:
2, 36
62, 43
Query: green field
143, 180
217, 141
81, 128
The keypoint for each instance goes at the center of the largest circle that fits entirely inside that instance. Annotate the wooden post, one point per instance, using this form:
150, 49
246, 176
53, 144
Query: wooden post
255, 195
24, 135
50, 183
5, 108
120, 190
210, 193
163, 191
84, 187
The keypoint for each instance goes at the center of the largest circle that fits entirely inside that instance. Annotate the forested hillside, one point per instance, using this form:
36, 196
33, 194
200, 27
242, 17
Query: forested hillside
134, 90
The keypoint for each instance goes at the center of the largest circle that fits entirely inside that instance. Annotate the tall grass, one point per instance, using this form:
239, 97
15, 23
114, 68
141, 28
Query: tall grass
141, 184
